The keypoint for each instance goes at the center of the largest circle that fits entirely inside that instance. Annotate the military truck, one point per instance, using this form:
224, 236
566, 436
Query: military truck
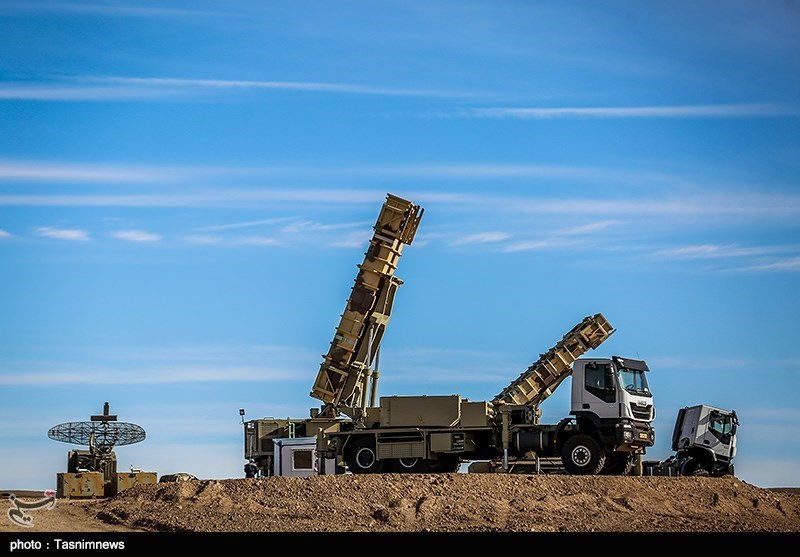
704, 441
609, 427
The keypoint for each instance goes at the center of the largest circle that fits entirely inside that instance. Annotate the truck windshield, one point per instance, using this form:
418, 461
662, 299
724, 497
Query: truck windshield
634, 381
721, 425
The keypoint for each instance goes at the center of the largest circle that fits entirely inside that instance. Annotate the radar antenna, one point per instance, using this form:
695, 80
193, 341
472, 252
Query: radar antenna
102, 433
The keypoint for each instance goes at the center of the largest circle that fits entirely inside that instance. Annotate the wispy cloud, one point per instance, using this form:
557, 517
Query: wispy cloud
129, 88
91, 172
4, 234
62, 233
88, 172
791, 264
297, 232
150, 376
508, 171
248, 224
589, 228
55, 92
481, 238
311, 226
162, 365
535, 245
307, 86
674, 111
59, 171
258, 241
556, 238
48, 171
711, 204
712, 251
136, 236
231, 198
216, 240
756, 259
354, 239
205, 354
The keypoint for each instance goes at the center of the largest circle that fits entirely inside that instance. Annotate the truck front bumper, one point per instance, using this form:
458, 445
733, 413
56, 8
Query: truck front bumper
631, 436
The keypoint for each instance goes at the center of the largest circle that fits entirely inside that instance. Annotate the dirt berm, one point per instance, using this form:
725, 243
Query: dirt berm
454, 502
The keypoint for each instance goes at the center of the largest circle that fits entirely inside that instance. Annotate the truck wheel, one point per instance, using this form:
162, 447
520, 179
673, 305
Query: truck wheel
694, 467
582, 455
361, 457
618, 463
409, 465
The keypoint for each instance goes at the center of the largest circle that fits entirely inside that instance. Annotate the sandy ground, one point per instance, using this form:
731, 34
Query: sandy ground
434, 502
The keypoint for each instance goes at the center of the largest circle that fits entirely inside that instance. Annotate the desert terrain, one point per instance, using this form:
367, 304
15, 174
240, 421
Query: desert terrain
432, 503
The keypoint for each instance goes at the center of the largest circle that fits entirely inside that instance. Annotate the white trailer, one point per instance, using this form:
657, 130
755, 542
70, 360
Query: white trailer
297, 457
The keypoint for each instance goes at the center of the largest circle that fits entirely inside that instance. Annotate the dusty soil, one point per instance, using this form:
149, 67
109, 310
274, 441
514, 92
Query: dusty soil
437, 502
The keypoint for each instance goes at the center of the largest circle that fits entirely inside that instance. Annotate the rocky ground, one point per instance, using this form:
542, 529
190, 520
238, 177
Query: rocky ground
436, 503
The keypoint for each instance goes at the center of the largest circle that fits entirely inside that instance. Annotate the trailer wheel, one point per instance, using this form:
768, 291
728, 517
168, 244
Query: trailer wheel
361, 456
448, 464
618, 463
582, 455
409, 465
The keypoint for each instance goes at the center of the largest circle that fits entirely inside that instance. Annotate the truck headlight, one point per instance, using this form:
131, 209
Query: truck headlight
627, 435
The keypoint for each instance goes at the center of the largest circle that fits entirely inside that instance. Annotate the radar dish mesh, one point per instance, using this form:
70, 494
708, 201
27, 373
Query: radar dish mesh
106, 434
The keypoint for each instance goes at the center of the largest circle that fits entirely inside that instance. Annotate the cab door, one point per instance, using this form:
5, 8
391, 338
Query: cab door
599, 393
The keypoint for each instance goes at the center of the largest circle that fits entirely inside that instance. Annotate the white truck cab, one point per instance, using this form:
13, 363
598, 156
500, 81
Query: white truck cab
612, 388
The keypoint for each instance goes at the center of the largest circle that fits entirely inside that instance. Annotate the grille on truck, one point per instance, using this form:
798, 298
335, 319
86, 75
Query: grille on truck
642, 412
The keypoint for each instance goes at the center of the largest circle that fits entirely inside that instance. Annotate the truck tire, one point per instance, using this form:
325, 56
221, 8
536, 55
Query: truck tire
694, 467
409, 465
618, 463
700, 472
361, 457
582, 455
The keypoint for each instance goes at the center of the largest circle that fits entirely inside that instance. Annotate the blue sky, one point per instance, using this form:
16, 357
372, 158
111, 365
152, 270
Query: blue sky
186, 189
